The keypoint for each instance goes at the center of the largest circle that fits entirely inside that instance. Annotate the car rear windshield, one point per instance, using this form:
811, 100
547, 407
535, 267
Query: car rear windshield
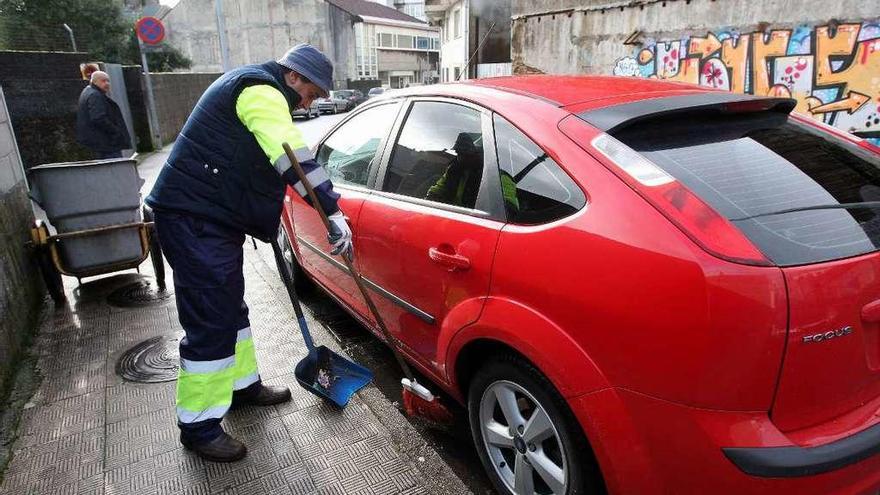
800, 194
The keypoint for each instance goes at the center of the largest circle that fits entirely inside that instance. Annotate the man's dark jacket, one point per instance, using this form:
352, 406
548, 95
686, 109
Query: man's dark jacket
99, 123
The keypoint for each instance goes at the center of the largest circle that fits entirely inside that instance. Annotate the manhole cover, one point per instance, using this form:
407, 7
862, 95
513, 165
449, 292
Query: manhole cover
140, 293
152, 361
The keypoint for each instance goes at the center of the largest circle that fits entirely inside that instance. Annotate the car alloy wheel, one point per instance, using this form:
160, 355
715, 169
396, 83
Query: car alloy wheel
521, 440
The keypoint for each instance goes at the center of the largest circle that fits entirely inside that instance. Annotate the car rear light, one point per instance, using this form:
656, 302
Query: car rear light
681, 206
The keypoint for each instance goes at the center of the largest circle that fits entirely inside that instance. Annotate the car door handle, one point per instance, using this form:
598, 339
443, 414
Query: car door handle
452, 261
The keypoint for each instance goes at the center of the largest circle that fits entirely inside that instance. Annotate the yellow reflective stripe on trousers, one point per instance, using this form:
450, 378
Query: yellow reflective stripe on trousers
204, 389
246, 372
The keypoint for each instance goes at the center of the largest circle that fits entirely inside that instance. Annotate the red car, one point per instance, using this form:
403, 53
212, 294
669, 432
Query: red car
638, 286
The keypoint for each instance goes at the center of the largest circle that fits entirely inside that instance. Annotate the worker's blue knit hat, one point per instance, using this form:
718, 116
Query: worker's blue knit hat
308, 61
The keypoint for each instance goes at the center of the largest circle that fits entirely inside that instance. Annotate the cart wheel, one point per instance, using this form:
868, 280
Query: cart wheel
155, 250
156, 259
51, 275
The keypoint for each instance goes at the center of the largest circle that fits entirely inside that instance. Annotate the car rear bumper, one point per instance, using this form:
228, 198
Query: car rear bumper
648, 445
790, 462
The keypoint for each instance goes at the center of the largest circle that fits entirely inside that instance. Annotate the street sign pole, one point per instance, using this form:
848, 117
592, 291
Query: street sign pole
151, 101
221, 31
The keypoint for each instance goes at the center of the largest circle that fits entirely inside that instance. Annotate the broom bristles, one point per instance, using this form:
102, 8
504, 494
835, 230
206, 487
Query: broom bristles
432, 411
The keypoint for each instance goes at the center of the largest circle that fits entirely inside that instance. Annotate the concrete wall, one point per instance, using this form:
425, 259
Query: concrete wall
42, 90
824, 54
261, 30
176, 95
21, 291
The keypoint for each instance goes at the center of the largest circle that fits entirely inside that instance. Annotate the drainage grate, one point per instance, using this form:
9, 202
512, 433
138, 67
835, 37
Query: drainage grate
137, 294
152, 361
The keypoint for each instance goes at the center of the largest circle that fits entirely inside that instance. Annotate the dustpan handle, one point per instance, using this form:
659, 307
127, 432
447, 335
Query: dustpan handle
291, 292
389, 339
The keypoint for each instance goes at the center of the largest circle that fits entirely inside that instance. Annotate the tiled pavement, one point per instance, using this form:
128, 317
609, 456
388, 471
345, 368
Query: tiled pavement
86, 430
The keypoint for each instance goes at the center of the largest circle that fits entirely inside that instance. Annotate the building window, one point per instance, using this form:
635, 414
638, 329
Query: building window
404, 41
423, 43
386, 40
456, 23
457, 73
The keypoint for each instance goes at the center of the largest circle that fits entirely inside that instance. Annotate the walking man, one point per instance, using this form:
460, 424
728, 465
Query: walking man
99, 123
226, 177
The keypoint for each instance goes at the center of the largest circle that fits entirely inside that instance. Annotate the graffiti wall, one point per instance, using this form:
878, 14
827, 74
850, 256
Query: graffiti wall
832, 70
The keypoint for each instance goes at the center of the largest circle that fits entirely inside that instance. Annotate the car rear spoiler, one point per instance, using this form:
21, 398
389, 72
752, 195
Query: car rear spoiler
616, 117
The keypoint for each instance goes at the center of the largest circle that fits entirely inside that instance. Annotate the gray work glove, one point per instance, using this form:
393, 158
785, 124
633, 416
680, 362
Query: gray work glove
340, 235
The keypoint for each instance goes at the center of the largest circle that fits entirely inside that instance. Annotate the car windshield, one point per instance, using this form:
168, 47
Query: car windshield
800, 194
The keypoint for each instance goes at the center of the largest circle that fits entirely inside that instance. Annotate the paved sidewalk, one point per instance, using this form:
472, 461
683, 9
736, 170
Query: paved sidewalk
86, 430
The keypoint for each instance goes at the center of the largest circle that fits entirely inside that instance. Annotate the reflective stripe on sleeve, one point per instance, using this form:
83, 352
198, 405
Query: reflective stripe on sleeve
316, 177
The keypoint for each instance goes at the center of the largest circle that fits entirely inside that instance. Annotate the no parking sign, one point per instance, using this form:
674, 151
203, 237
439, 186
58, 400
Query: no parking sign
150, 30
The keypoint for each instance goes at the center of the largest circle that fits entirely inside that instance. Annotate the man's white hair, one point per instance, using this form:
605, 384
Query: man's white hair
98, 74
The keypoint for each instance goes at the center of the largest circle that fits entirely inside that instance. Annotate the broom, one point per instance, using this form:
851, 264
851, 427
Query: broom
418, 401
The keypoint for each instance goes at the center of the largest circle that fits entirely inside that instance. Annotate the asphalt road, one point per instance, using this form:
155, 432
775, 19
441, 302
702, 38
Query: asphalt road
453, 444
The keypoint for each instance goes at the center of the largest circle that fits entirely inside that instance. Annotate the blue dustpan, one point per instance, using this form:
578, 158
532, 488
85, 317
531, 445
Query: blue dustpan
327, 374
322, 372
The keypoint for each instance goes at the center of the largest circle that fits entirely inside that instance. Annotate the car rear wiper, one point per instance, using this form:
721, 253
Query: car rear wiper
839, 206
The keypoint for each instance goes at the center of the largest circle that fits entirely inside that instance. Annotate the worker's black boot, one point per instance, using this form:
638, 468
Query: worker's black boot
221, 449
263, 395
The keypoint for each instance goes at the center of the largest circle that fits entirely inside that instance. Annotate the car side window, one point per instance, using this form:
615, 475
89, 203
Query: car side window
439, 155
535, 189
348, 152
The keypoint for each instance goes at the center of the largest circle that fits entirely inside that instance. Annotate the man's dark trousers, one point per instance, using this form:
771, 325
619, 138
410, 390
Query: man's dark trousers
217, 355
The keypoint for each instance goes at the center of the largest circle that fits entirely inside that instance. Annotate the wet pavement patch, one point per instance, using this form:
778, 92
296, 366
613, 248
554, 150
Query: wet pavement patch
454, 444
138, 294
154, 360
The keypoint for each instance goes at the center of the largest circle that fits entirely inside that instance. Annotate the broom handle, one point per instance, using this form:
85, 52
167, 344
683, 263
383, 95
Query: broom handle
294, 298
348, 264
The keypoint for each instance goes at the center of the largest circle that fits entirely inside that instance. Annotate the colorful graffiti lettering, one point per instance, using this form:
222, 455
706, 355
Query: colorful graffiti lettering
833, 71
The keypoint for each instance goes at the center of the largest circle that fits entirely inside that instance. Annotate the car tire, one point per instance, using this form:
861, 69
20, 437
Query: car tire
562, 447
301, 282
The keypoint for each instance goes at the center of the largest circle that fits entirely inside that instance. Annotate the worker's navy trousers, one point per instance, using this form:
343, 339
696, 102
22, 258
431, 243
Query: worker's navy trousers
217, 353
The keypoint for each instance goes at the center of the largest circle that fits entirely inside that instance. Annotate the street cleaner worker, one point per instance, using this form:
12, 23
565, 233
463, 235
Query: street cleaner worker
226, 177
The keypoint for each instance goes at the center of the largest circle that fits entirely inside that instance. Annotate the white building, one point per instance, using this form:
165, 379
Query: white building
475, 37
451, 16
395, 48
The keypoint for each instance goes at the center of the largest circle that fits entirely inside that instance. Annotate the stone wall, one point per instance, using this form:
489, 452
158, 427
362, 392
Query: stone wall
42, 90
826, 55
21, 290
176, 95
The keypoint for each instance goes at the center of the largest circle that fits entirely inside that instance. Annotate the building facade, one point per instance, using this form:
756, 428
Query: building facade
475, 37
257, 31
364, 40
391, 47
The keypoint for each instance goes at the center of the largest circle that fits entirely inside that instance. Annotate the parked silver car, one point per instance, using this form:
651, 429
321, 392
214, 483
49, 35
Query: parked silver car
336, 102
308, 113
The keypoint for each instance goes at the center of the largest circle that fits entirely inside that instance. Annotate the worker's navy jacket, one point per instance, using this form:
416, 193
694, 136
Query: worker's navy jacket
217, 170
